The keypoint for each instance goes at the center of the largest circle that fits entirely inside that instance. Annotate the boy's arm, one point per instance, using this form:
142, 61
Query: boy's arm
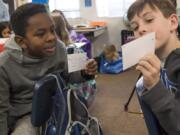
4, 102
168, 111
166, 106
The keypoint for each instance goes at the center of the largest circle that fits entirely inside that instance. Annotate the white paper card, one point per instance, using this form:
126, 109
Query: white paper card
80, 44
76, 62
133, 51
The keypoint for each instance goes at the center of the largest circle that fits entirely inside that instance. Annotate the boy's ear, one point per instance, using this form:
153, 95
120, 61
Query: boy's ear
174, 22
20, 41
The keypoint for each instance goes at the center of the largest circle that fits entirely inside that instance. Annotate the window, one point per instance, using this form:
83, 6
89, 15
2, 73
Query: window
40, 1
70, 8
112, 8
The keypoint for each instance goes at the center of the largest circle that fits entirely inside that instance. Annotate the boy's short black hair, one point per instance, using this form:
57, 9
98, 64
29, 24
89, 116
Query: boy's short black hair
3, 25
19, 18
167, 7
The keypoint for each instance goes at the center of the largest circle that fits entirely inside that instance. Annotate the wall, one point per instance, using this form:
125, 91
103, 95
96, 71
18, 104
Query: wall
20, 2
112, 35
11, 5
115, 25
178, 3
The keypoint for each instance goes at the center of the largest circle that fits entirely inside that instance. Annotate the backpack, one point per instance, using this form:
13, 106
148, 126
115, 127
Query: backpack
60, 111
78, 121
86, 91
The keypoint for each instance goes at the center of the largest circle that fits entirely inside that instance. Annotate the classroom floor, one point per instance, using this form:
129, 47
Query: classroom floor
113, 92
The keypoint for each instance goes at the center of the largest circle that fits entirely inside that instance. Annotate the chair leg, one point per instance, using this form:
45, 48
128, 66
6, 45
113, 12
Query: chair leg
129, 99
131, 95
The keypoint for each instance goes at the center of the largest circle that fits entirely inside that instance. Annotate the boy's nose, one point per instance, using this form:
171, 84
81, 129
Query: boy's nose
51, 37
142, 30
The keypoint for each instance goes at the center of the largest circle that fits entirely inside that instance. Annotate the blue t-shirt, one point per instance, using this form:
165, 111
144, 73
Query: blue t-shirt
164, 78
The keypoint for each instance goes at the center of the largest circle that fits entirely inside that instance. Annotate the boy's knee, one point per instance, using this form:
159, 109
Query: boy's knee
24, 127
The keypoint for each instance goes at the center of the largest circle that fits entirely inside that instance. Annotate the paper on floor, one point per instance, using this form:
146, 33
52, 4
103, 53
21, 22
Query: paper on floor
133, 51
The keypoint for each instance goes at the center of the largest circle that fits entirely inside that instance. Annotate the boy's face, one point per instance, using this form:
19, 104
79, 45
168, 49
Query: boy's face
150, 20
40, 37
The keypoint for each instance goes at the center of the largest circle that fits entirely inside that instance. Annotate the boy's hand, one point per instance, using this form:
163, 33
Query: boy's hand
150, 66
91, 67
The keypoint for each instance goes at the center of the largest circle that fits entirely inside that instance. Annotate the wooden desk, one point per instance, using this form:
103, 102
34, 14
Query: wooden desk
91, 33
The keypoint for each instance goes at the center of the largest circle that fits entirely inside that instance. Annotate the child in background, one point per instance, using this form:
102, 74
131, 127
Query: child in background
110, 60
160, 95
63, 33
85, 89
32, 53
61, 29
111, 53
75, 37
5, 30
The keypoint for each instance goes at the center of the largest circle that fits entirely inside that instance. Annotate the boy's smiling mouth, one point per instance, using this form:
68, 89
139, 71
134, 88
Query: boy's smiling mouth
50, 48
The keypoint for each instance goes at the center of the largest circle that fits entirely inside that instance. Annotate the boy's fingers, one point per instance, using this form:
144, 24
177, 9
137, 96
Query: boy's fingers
150, 74
152, 60
150, 68
143, 70
91, 63
91, 67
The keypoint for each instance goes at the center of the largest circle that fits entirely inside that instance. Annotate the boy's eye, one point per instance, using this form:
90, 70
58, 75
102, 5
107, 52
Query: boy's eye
40, 34
149, 20
134, 27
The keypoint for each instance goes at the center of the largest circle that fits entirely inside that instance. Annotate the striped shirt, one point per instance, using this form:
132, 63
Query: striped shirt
164, 79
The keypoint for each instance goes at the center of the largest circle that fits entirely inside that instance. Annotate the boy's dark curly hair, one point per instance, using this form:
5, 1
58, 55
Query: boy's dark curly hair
19, 18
